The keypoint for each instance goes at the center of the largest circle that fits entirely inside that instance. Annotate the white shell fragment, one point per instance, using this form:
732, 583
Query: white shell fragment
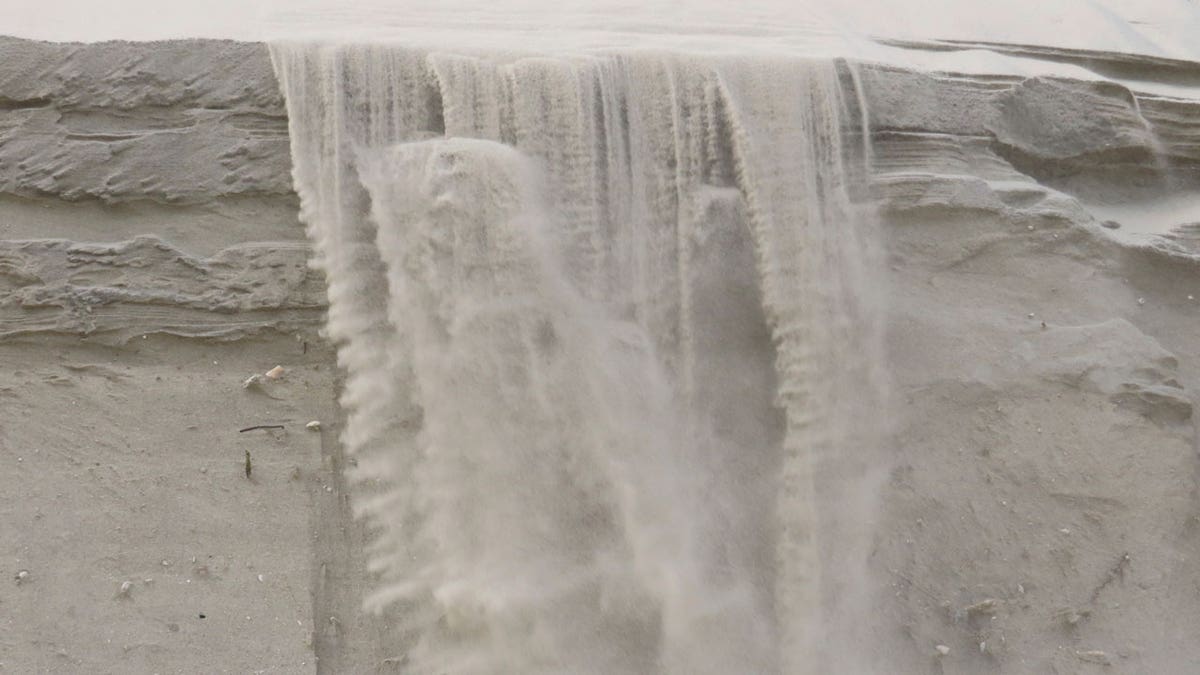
1094, 656
125, 590
983, 607
942, 650
313, 426
254, 380
22, 576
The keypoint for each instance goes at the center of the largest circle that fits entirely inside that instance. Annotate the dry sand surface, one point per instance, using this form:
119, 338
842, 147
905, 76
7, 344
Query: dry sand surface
124, 465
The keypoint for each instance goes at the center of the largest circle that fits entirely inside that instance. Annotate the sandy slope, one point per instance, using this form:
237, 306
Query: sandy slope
124, 464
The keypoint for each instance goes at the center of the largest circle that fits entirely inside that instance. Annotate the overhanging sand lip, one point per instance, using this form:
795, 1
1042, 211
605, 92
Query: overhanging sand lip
1156, 27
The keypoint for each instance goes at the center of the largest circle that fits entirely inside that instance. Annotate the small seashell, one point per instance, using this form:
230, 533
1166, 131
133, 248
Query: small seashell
313, 426
1141, 301
252, 381
274, 373
986, 606
125, 590
22, 576
1094, 656
942, 650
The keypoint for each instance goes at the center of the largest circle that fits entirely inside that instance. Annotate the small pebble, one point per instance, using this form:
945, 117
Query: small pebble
22, 576
942, 650
313, 426
126, 587
274, 373
1141, 301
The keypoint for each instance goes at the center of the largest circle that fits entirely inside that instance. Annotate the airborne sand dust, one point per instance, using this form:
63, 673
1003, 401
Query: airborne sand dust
562, 340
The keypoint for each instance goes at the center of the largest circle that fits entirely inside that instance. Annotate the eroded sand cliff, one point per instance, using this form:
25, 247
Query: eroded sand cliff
1040, 514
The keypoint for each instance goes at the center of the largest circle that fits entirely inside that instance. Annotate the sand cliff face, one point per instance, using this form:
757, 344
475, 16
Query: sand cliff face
150, 262
1039, 517
1046, 461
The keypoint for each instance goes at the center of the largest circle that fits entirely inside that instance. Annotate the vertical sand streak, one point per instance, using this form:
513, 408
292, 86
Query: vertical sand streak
562, 327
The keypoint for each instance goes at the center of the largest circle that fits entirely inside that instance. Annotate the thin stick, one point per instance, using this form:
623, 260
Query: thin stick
260, 426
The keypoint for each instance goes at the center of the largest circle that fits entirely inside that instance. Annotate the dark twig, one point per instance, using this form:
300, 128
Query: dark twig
260, 426
1115, 573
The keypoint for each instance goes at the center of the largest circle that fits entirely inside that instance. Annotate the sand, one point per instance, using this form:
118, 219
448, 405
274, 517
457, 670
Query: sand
1039, 512
136, 302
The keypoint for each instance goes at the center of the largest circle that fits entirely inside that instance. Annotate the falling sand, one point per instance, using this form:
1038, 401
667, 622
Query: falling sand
613, 349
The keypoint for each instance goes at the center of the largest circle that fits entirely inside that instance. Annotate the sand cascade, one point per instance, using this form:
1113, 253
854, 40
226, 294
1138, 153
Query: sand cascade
610, 329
